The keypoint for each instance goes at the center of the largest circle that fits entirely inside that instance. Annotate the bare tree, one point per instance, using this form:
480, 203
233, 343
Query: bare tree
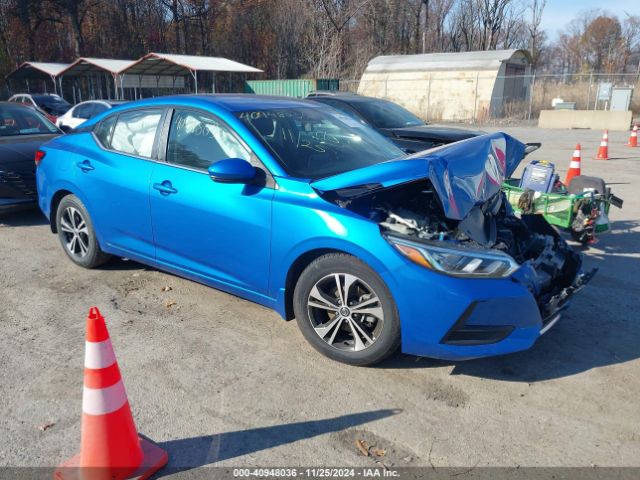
535, 32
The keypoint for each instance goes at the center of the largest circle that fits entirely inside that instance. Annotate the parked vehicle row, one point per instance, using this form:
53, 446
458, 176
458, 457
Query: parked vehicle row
50, 105
83, 111
302, 208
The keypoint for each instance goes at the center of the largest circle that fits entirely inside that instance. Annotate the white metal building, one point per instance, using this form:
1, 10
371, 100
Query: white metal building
158, 65
451, 86
37, 75
100, 77
110, 78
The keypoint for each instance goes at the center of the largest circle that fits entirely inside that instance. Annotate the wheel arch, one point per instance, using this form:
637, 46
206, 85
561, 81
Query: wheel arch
301, 262
294, 272
55, 201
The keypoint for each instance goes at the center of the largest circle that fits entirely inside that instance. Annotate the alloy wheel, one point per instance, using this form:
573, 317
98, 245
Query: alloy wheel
345, 312
76, 233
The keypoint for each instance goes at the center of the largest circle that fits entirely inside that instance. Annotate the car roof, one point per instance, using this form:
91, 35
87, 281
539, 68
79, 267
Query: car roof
98, 100
43, 95
347, 98
231, 102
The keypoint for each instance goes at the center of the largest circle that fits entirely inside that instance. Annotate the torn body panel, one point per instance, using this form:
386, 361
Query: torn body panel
451, 198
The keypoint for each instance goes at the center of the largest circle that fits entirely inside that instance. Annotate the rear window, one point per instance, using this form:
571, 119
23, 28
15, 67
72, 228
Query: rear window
18, 120
52, 104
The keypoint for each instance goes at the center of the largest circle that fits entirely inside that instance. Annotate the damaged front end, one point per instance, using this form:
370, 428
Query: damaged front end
444, 210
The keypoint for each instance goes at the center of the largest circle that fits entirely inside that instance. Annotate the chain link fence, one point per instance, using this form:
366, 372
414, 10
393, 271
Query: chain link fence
480, 99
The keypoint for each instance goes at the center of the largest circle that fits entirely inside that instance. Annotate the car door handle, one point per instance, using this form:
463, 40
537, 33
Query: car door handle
165, 188
85, 166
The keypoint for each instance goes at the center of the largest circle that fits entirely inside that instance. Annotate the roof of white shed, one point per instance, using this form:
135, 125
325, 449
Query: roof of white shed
88, 64
481, 60
38, 69
170, 64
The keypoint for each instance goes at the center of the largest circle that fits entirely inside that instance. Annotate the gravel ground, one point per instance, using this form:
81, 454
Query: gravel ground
219, 381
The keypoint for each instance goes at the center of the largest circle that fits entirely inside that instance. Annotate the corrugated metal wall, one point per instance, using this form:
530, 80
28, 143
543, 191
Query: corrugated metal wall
299, 88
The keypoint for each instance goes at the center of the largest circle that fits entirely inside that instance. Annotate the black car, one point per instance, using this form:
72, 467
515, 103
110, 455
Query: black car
393, 121
22, 131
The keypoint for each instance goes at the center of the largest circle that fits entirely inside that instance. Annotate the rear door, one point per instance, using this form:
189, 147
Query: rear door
114, 173
219, 231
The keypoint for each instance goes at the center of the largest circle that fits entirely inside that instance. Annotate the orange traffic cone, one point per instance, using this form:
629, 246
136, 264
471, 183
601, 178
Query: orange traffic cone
603, 151
574, 166
110, 448
633, 138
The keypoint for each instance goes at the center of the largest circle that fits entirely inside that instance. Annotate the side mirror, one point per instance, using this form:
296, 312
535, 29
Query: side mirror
232, 170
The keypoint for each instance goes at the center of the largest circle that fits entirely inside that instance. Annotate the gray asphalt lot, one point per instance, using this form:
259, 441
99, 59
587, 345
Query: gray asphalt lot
220, 381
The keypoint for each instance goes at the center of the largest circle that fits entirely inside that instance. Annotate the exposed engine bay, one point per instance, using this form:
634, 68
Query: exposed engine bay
413, 210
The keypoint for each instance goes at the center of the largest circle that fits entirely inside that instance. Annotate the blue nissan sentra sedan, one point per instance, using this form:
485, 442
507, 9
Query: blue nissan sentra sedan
296, 206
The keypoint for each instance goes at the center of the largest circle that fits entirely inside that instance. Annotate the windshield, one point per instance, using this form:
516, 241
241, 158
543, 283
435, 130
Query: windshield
52, 104
383, 114
18, 120
317, 142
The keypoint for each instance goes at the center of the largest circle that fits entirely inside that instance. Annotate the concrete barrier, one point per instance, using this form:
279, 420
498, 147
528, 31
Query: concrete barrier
594, 119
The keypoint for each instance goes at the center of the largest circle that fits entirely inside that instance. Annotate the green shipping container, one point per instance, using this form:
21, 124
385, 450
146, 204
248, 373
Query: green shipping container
290, 88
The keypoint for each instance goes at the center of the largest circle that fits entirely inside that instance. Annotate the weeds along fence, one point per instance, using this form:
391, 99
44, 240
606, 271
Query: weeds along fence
481, 99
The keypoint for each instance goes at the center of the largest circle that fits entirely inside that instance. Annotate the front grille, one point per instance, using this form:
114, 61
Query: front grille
463, 334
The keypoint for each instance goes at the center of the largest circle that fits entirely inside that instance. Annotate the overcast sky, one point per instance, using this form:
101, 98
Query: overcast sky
557, 13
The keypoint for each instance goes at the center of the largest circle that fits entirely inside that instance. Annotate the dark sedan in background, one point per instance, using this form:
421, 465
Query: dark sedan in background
49, 104
22, 131
393, 121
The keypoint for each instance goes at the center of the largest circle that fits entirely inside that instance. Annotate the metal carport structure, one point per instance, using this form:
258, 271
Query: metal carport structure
90, 68
170, 65
38, 71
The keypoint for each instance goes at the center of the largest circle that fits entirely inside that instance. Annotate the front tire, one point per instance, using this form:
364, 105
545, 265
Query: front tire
76, 234
345, 311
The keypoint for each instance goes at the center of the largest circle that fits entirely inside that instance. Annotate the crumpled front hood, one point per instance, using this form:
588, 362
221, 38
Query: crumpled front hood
437, 133
464, 174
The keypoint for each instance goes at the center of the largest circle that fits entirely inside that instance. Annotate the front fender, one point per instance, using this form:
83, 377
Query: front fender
377, 254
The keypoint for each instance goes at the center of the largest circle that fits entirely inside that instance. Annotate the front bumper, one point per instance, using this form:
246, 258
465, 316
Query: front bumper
458, 319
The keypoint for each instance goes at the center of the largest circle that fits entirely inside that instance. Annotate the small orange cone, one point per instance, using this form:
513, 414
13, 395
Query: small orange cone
574, 166
603, 151
110, 447
633, 138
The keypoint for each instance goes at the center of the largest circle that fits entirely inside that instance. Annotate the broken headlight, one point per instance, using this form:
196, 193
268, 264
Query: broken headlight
458, 262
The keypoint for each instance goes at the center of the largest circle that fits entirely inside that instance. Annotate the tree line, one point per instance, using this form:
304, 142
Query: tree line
310, 38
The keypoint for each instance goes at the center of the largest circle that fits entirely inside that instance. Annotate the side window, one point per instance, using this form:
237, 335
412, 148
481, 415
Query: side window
135, 132
98, 108
197, 140
104, 130
82, 111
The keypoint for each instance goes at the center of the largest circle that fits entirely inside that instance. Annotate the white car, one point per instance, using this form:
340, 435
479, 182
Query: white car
82, 112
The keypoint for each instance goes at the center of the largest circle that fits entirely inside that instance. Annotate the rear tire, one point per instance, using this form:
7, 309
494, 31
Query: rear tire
76, 234
345, 311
